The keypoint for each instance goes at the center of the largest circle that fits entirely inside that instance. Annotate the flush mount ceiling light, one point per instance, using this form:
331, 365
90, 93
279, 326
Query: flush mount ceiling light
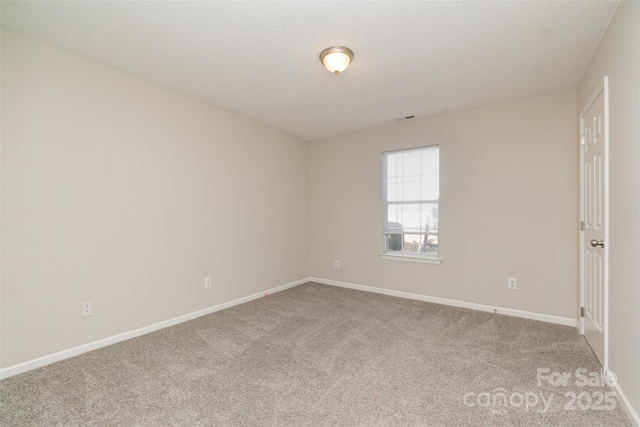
336, 59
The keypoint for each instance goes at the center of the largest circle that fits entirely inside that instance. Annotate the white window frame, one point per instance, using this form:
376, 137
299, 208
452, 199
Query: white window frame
407, 255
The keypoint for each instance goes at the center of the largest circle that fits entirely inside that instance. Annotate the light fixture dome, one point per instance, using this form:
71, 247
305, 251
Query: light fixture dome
337, 58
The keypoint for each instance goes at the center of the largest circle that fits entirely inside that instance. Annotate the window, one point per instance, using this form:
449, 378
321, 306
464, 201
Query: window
411, 193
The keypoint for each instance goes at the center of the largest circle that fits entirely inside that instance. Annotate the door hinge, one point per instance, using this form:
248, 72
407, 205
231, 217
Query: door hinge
581, 225
582, 140
581, 311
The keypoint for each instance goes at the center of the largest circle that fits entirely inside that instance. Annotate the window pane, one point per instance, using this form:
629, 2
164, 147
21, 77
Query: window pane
411, 242
412, 175
394, 242
430, 175
416, 243
421, 243
429, 244
412, 218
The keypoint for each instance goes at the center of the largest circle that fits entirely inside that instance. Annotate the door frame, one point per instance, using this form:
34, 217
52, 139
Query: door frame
602, 87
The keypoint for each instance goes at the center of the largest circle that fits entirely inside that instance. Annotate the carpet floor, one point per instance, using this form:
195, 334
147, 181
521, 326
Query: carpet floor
318, 355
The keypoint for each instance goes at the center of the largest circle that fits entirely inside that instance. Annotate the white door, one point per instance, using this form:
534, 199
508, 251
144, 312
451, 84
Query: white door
594, 212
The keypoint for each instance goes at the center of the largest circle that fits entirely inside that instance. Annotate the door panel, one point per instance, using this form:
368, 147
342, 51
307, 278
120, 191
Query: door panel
594, 247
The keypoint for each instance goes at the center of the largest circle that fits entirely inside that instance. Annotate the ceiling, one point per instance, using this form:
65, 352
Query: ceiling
259, 59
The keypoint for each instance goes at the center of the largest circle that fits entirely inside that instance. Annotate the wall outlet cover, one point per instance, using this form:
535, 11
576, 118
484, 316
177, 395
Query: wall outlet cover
87, 308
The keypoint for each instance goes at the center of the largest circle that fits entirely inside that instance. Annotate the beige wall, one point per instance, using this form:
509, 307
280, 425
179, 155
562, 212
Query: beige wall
126, 194
508, 197
618, 56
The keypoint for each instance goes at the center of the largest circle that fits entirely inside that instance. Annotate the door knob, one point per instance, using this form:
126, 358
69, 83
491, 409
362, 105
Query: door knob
595, 243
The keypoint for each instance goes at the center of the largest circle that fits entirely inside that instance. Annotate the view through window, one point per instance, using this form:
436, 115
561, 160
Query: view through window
411, 194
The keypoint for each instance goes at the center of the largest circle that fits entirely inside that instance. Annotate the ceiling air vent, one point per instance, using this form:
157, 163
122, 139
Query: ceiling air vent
401, 119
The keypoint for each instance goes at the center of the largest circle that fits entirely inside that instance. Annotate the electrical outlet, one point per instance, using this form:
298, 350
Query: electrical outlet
512, 283
87, 308
207, 283
336, 263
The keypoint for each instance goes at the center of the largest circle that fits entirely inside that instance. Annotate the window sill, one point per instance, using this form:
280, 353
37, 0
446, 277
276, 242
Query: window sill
409, 258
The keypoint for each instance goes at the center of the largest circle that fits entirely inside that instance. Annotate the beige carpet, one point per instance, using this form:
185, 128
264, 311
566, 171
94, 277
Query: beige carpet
320, 355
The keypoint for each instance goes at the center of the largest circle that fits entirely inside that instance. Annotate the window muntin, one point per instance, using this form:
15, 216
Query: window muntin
411, 202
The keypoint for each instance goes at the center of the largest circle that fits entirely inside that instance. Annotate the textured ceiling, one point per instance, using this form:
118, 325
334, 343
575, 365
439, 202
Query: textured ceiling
260, 59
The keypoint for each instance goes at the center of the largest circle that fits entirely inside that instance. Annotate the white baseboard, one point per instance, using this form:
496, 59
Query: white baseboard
624, 402
75, 351
567, 321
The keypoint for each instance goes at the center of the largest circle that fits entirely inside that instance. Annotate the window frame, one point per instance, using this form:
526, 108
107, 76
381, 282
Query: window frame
407, 255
